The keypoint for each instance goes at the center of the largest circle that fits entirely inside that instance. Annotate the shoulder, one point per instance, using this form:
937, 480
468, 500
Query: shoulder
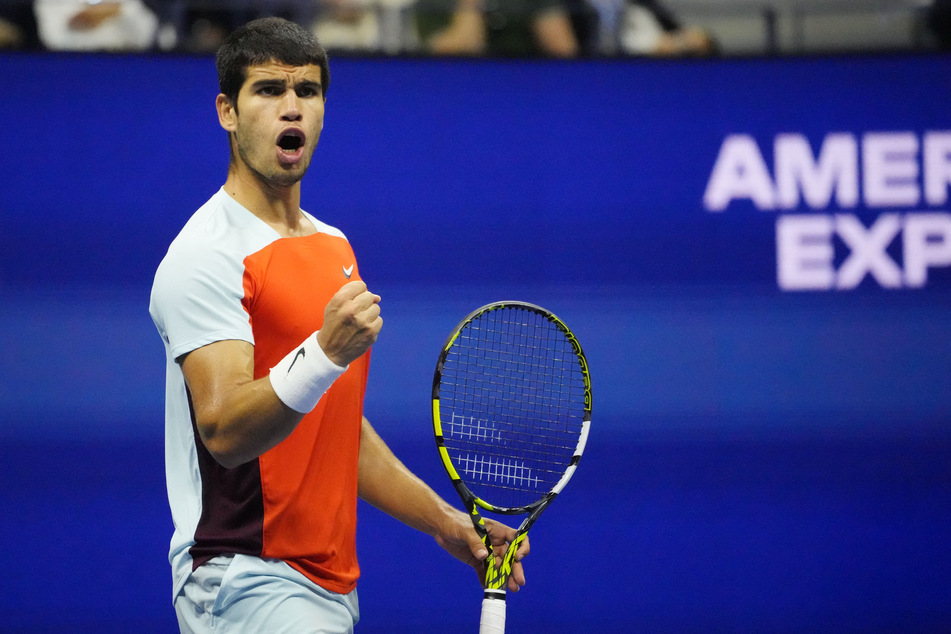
323, 227
206, 259
222, 223
220, 233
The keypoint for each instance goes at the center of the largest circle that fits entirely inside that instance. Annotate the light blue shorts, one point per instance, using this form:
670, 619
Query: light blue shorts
240, 593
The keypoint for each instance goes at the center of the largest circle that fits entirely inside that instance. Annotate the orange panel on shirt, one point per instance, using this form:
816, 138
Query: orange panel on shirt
309, 481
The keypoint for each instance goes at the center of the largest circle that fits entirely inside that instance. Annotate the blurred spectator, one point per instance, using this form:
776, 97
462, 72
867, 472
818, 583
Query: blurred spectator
348, 24
499, 28
202, 29
586, 24
106, 25
363, 25
648, 28
18, 25
201, 26
938, 19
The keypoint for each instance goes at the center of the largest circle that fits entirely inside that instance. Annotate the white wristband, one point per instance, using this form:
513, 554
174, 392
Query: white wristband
302, 377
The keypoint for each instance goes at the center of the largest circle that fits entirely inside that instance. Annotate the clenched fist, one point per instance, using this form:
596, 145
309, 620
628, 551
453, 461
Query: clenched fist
352, 323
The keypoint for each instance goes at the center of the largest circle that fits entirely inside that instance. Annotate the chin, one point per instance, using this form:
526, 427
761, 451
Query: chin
288, 176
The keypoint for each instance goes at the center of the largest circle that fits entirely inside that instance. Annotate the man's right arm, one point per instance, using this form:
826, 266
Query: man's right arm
239, 418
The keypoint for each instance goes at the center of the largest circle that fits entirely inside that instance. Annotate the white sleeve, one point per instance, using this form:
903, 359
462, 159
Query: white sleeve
197, 299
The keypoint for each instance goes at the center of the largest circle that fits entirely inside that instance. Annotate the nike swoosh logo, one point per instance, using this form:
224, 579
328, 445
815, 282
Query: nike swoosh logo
300, 355
348, 271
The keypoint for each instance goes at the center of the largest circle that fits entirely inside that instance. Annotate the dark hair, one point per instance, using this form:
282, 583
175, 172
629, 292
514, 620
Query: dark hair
261, 41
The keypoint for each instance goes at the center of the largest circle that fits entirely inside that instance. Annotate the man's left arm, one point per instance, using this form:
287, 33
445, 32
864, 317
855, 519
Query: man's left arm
385, 483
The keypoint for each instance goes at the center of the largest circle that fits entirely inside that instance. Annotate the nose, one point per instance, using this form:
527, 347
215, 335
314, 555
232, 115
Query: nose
290, 107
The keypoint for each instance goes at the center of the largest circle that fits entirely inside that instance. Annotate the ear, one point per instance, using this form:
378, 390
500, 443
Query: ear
227, 115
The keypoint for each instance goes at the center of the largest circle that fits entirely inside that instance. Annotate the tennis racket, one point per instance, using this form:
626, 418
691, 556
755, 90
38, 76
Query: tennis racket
511, 413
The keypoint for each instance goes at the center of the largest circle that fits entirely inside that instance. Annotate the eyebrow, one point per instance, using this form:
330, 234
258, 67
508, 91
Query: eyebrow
280, 83
309, 83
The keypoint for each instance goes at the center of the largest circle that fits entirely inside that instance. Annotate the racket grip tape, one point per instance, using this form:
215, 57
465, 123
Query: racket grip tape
493, 612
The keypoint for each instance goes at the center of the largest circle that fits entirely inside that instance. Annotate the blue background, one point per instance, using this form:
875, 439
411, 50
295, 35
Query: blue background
759, 460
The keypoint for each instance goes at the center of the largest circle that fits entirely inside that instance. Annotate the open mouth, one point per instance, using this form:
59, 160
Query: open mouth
291, 140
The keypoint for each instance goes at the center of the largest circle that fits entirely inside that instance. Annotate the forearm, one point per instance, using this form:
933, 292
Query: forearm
389, 486
385, 483
250, 421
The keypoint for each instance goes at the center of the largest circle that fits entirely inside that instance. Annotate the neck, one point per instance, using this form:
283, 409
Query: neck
276, 205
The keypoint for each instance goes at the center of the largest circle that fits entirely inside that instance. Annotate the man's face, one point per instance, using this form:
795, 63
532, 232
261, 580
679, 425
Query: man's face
278, 121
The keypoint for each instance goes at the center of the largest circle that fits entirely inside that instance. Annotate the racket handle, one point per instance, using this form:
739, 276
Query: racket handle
493, 613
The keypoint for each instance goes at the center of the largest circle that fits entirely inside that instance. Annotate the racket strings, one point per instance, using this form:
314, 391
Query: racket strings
512, 393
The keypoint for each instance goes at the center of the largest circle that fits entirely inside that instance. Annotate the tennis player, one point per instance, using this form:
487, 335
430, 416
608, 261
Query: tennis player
267, 327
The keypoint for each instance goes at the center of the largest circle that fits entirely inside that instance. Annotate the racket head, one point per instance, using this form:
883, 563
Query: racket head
511, 406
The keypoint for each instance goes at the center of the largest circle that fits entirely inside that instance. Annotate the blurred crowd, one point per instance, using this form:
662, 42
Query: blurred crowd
500, 28
497, 28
